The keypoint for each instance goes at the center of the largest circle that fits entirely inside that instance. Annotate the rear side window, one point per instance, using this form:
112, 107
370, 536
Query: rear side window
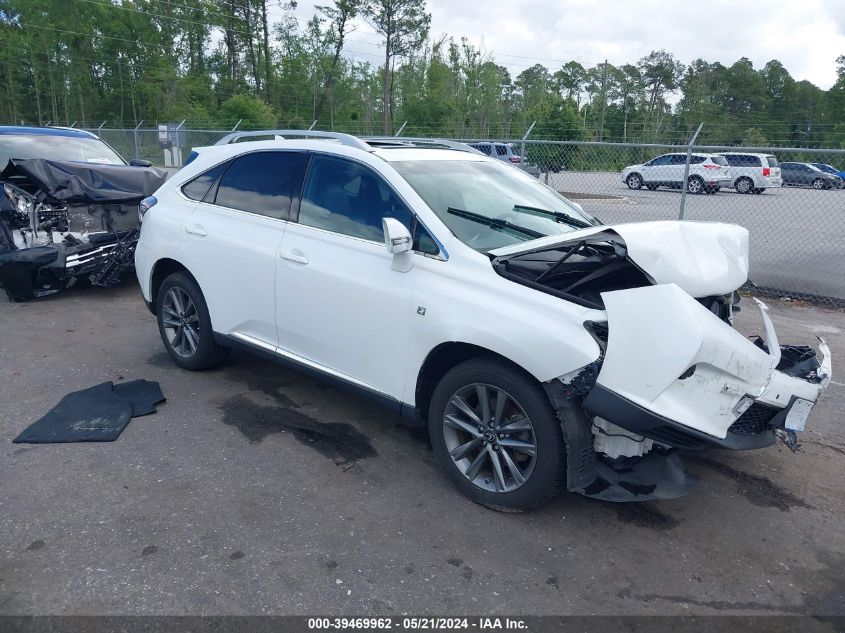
694, 160
199, 186
261, 183
772, 161
720, 160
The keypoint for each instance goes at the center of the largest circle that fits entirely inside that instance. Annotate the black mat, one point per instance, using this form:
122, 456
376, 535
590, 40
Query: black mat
96, 414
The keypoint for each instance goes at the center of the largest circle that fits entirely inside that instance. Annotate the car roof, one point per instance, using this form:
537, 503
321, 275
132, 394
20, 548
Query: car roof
7, 130
744, 154
388, 154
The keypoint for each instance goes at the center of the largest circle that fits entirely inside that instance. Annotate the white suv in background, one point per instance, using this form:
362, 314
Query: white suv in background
542, 349
753, 173
707, 173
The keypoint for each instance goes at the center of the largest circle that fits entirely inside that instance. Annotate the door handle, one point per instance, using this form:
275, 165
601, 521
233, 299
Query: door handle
294, 255
195, 229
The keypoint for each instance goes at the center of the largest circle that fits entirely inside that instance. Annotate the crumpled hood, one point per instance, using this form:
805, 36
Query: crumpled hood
77, 182
702, 258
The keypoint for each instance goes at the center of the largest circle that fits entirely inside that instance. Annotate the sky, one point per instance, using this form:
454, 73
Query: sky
806, 36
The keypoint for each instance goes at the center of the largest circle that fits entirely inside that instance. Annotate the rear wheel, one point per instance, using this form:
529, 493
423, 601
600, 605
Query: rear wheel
695, 184
634, 181
496, 435
744, 185
185, 325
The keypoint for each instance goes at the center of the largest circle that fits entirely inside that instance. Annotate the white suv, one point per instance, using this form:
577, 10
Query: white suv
542, 348
753, 173
707, 173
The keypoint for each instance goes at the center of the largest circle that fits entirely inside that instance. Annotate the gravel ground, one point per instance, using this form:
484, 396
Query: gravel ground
257, 490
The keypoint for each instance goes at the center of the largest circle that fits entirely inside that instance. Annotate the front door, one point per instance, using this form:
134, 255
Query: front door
341, 306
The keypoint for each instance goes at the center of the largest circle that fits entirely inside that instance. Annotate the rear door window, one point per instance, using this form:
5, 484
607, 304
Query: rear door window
261, 183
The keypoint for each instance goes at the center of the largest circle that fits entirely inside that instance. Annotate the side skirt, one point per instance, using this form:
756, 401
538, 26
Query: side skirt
407, 411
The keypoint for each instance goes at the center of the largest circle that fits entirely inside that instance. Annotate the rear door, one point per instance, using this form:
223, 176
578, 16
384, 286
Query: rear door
232, 240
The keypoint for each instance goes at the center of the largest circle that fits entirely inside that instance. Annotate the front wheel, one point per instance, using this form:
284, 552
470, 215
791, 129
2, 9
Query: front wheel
634, 181
818, 183
496, 435
185, 325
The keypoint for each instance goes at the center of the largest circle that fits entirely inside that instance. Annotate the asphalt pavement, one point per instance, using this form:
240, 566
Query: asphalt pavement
257, 490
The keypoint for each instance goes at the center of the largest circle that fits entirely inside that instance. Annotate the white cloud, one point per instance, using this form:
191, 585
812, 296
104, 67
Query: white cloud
806, 37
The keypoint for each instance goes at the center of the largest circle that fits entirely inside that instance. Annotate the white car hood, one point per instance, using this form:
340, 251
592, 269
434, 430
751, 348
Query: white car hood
702, 258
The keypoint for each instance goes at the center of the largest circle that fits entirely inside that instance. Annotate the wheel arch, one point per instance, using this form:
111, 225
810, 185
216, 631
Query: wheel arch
439, 361
161, 270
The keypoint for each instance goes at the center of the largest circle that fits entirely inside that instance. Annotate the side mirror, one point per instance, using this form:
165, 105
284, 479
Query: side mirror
137, 162
397, 238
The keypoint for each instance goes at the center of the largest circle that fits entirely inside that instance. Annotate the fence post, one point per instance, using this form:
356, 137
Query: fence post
234, 128
522, 146
135, 137
311, 127
401, 127
686, 172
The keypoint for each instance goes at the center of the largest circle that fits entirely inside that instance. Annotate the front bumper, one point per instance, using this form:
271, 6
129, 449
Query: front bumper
673, 371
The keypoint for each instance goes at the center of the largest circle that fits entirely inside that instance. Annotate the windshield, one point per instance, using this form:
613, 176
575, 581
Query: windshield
86, 150
488, 205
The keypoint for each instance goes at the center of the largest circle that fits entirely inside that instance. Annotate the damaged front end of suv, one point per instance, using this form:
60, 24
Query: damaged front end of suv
61, 221
672, 372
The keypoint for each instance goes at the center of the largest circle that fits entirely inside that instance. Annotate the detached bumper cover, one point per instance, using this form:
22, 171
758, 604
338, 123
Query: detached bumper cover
676, 373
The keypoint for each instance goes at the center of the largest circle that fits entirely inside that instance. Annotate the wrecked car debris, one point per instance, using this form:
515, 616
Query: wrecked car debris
673, 376
61, 221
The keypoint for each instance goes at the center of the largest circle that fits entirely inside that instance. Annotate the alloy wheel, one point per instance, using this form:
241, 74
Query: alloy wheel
818, 183
489, 437
694, 185
181, 322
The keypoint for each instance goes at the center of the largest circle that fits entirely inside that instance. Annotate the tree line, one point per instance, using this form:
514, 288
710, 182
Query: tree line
212, 63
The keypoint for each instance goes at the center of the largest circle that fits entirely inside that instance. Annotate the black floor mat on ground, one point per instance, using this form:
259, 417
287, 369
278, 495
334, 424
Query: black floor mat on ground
96, 414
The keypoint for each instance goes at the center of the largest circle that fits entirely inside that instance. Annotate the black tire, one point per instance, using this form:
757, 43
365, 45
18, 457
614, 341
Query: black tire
634, 181
819, 184
695, 185
744, 185
547, 470
652, 187
207, 352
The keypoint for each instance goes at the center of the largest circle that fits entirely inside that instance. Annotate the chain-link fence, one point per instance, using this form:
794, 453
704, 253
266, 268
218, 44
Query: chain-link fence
797, 230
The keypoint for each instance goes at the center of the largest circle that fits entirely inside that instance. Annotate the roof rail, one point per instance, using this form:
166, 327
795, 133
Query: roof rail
407, 141
344, 139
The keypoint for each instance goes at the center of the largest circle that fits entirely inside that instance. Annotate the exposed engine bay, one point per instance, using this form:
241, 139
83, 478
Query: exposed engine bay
672, 372
62, 221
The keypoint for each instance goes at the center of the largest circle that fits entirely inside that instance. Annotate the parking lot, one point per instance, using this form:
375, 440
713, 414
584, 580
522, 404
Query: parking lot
796, 234
256, 490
